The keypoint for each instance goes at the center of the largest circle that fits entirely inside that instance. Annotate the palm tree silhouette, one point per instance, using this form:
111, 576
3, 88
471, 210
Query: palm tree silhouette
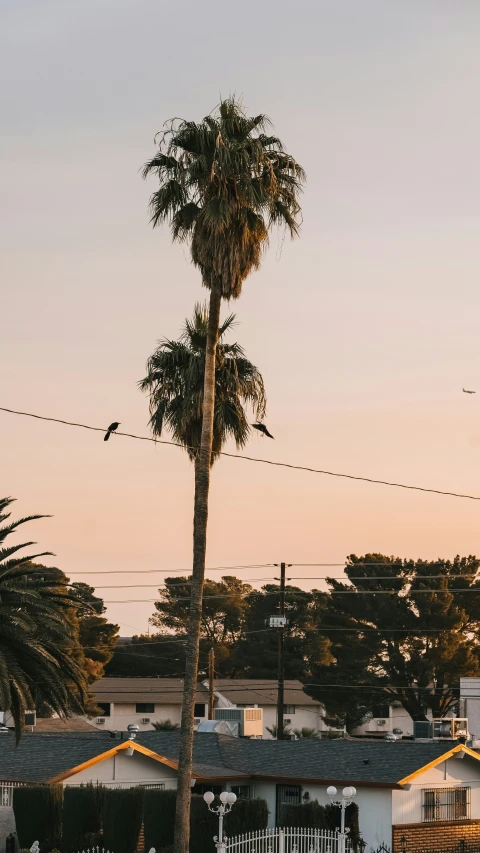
37, 645
224, 182
175, 382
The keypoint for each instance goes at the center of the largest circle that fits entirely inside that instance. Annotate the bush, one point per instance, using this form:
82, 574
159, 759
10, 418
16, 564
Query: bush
122, 818
203, 826
38, 815
81, 816
312, 814
246, 816
159, 818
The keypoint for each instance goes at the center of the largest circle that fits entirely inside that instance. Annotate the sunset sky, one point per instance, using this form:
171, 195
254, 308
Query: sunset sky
365, 329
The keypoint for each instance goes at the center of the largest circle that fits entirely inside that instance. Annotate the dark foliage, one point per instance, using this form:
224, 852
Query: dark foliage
122, 818
246, 816
38, 815
312, 814
82, 809
159, 818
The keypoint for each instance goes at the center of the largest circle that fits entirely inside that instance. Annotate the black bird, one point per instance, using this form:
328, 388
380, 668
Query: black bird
110, 429
263, 429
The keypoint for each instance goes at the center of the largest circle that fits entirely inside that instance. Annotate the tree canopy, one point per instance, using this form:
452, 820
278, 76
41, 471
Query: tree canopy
40, 654
400, 631
175, 383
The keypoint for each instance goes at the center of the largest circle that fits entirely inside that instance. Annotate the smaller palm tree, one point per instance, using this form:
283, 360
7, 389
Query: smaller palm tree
165, 726
38, 645
175, 380
273, 730
306, 732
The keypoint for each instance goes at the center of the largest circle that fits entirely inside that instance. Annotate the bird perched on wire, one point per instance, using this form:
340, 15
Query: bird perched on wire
111, 429
263, 429
468, 392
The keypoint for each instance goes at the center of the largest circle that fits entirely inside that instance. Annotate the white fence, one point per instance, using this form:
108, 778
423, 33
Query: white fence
6, 792
288, 840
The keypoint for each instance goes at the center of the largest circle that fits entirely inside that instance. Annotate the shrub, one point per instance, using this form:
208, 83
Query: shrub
122, 818
246, 816
312, 814
38, 815
158, 818
203, 826
81, 816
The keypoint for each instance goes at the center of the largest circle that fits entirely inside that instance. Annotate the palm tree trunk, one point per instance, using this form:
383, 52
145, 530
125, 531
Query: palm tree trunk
202, 484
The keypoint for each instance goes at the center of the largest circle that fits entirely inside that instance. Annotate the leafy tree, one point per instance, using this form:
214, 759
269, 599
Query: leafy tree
165, 726
97, 636
223, 183
37, 643
149, 655
262, 604
414, 628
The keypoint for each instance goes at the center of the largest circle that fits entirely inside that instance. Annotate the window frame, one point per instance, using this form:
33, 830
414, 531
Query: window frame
446, 804
144, 707
199, 705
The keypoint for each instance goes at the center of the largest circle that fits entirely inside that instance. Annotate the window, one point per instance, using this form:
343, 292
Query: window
289, 709
104, 708
199, 710
287, 795
145, 708
242, 791
382, 711
202, 789
446, 804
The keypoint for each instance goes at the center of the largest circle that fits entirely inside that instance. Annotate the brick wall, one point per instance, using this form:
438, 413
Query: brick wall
440, 833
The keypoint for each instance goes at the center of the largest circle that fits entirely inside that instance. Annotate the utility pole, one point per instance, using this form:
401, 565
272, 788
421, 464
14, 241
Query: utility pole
211, 679
281, 657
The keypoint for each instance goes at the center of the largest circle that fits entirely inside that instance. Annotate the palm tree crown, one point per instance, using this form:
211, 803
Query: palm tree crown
175, 380
223, 183
37, 646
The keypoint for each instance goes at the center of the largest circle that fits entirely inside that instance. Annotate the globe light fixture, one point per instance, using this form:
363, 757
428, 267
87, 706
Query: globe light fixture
227, 801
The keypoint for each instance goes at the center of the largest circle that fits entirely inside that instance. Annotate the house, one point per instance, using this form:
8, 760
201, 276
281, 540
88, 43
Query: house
470, 706
142, 701
300, 710
421, 791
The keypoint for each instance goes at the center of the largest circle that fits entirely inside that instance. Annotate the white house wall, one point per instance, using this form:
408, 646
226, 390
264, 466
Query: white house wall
123, 768
122, 714
464, 772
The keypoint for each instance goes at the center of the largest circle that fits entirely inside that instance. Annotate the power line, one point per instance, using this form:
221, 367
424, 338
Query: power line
251, 458
163, 571
306, 592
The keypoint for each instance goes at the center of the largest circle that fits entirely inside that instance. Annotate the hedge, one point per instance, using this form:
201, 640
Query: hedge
312, 814
38, 815
159, 817
122, 818
246, 816
82, 809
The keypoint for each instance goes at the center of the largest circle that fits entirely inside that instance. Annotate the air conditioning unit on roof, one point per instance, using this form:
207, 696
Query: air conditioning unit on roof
250, 720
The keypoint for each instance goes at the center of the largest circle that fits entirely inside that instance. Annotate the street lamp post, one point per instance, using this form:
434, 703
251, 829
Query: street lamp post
227, 801
348, 794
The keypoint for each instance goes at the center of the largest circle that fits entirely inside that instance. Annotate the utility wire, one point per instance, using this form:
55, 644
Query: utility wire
250, 458
305, 592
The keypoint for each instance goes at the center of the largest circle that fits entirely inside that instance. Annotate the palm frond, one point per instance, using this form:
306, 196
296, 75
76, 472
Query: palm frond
175, 378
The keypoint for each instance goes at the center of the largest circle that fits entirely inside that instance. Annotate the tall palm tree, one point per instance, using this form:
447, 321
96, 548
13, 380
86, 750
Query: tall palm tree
37, 647
175, 382
224, 182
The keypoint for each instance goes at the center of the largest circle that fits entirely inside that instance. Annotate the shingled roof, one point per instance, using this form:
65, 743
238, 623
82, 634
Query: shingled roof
43, 757
248, 691
164, 691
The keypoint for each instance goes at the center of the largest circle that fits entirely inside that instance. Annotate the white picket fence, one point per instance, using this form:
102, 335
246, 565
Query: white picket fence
288, 840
